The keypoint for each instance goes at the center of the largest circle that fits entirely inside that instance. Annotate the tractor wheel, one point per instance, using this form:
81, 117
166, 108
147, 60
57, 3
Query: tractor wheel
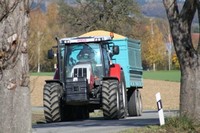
51, 101
110, 99
134, 103
123, 98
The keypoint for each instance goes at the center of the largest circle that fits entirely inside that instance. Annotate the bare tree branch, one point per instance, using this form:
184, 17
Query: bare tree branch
188, 10
171, 9
7, 8
180, 24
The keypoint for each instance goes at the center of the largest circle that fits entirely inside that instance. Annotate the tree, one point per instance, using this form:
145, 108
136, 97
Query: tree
37, 33
44, 27
180, 25
116, 16
15, 114
153, 47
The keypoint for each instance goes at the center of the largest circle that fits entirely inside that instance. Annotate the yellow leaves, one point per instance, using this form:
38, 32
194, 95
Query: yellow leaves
175, 61
153, 47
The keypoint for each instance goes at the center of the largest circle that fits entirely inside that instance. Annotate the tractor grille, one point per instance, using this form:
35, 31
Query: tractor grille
80, 72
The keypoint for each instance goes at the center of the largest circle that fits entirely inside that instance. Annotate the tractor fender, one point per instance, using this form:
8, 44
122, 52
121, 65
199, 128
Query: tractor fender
54, 81
56, 74
61, 91
115, 71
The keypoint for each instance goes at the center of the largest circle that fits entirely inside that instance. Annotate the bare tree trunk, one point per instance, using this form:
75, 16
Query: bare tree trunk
15, 114
180, 25
190, 73
190, 92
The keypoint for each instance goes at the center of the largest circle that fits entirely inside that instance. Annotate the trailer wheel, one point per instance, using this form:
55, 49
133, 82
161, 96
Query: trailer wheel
134, 102
123, 98
140, 103
51, 101
110, 99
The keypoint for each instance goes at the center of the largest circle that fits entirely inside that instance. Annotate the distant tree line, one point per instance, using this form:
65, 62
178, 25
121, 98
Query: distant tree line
120, 16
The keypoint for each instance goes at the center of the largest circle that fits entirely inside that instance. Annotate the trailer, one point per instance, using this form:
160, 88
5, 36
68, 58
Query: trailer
130, 60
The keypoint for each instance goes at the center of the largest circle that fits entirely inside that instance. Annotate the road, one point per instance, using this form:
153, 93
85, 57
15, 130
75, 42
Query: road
99, 125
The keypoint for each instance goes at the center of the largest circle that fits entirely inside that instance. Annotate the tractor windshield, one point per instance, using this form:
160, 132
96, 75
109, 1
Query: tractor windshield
88, 53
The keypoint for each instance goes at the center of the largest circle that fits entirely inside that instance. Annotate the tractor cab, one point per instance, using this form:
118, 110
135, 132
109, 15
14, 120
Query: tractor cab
82, 55
85, 57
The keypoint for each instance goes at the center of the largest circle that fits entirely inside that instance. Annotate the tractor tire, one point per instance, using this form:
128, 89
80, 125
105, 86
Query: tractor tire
123, 97
134, 102
110, 99
51, 101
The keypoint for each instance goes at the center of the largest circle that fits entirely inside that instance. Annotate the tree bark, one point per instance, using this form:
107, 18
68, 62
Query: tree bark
15, 114
180, 26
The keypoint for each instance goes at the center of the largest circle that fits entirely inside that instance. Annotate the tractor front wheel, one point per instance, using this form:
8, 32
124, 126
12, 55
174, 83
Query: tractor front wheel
110, 99
51, 101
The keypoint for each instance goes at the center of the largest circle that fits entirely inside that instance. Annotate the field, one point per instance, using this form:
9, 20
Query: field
173, 76
169, 90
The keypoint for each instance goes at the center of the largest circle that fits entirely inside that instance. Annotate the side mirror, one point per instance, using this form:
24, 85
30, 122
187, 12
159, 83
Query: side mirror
50, 54
115, 50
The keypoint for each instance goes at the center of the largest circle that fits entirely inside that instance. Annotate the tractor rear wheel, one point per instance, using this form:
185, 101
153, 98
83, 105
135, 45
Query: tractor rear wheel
134, 102
51, 101
110, 99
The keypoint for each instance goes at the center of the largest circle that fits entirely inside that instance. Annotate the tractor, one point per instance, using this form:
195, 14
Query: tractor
88, 77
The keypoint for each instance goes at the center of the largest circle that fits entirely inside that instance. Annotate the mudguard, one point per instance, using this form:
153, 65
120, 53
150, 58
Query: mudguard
115, 71
56, 74
54, 81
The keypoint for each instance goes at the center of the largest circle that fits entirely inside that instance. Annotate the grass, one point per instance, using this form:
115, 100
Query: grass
173, 125
173, 76
42, 74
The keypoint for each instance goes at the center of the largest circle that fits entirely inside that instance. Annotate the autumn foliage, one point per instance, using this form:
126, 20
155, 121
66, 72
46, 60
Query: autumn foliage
44, 27
63, 20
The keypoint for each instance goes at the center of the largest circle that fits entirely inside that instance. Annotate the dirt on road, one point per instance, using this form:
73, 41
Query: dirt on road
169, 92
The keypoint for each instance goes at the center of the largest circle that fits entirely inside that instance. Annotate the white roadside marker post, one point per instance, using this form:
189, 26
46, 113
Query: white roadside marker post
160, 109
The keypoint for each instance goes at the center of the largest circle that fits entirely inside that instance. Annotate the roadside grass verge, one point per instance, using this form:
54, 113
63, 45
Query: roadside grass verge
173, 76
173, 125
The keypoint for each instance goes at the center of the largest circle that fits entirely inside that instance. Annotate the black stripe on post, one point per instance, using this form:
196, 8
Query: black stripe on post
159, 105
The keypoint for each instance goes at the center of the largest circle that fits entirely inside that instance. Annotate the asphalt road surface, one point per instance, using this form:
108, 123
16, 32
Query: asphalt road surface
99, 125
